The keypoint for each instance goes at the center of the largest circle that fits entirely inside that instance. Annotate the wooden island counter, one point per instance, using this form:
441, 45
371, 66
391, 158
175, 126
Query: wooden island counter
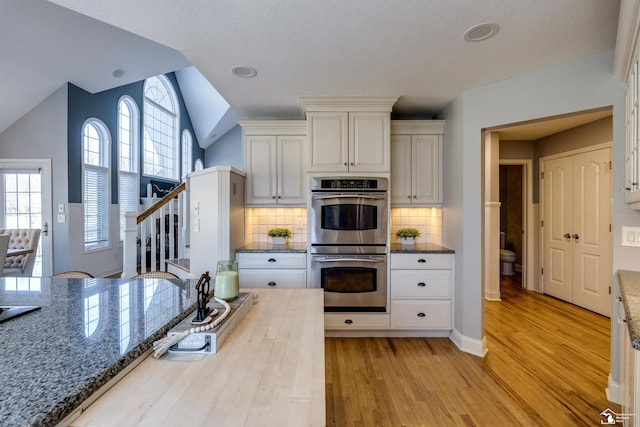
269, 372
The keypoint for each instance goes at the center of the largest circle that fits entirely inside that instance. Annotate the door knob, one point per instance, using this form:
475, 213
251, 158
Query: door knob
575, 236
567, 236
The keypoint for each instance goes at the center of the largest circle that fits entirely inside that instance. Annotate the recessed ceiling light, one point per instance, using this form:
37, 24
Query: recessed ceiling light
118, 73
480, 32
244, 71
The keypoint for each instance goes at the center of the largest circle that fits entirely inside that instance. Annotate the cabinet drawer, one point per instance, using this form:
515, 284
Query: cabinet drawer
357, 321
420, 314
420, 261
272, 260
254, 278
425, 284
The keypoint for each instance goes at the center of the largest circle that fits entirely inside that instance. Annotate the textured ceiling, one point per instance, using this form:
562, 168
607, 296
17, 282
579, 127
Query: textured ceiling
412, 49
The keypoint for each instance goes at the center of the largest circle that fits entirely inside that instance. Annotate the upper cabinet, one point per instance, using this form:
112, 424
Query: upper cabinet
416, 162
348, 134
626, 65
274, 162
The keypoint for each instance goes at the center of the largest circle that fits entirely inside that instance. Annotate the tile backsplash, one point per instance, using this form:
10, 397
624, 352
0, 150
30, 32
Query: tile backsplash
258, 221
427, 220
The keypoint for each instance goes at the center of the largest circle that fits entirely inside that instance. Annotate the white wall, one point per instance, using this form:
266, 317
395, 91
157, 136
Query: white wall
226, 151
42, 134
582, 84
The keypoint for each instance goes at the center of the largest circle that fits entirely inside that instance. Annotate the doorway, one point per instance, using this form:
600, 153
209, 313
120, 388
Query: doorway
516, 215
25, 200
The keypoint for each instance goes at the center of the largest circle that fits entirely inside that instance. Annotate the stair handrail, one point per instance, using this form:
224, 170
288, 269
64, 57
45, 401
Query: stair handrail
160, 203
132, 231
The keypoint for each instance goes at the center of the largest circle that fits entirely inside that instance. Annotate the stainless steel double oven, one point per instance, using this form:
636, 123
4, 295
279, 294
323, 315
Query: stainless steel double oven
348, 230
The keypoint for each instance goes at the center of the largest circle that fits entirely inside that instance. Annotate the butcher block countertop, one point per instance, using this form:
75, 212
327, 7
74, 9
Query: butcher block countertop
269, 372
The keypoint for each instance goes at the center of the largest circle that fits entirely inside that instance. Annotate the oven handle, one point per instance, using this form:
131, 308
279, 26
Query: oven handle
347, 260
349, 196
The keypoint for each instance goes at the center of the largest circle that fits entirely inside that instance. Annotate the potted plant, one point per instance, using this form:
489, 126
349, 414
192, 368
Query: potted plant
407, 235
279, 236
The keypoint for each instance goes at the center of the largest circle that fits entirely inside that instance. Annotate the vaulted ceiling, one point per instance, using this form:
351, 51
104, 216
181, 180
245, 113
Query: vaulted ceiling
413, 49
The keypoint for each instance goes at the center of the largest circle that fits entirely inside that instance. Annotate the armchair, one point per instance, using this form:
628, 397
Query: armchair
21, 238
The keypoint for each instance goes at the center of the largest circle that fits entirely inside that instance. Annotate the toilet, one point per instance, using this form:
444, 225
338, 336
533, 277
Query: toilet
507, 258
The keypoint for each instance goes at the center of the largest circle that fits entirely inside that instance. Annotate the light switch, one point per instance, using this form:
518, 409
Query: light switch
631, 236
62, 218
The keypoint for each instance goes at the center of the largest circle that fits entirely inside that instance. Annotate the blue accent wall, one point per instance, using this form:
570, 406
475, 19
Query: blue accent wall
83, 105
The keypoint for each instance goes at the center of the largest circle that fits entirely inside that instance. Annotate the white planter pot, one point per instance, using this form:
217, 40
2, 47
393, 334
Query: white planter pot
408, 241
278, 240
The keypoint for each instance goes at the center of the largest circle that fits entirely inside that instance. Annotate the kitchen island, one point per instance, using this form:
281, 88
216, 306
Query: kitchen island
89, 332
270, 372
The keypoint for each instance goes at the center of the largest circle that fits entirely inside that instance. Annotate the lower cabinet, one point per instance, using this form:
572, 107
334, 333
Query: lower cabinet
421, 291
272, 270
356, 321
629, 369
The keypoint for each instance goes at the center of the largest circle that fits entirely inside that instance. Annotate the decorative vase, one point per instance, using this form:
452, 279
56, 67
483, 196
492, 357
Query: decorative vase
408, 241
278, 240
226, 286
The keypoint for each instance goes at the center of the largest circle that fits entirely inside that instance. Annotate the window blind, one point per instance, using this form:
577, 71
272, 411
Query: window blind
96, 207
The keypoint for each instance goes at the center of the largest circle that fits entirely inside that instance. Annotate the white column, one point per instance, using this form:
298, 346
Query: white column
130, 246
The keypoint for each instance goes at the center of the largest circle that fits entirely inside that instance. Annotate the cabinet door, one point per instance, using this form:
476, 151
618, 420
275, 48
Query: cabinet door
426, 169
369, 142
328, 141
400, 191
260, 166
291, 170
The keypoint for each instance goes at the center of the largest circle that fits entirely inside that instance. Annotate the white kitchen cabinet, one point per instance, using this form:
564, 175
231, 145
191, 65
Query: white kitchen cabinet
356, 321
629, 369
421, 291
275, 159
349, 141
272, 270
416, 162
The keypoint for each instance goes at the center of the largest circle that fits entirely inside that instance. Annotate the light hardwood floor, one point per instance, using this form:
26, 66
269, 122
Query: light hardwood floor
547, 365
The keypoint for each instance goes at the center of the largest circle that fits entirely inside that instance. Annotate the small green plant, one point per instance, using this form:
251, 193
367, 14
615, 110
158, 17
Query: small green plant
279, 232
407, 232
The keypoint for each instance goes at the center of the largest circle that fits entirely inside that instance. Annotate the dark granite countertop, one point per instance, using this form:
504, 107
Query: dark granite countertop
268, 247
629, 282
85, 333
420, 248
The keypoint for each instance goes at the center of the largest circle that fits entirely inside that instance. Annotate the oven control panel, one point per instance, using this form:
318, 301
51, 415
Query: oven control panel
378, 184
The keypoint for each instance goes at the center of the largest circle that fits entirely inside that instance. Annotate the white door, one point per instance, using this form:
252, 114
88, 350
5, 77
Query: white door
557, 228
576, 230
26, 203
591, 236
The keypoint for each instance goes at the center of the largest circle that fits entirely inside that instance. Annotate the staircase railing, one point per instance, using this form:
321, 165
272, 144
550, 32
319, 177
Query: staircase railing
159, 231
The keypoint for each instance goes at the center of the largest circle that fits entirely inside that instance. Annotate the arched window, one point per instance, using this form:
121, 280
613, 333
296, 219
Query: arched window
160, 129
95, 184
128, 143
187, 156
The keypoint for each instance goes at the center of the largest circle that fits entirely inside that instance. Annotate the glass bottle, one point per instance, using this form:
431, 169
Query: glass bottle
227, 286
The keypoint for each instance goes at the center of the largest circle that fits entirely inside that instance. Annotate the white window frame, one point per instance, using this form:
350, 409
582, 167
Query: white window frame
161, 119
104, 168
187, 153
129, 179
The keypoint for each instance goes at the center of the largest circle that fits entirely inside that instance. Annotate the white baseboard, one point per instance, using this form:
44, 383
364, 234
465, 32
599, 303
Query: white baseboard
469, 345
613, 391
